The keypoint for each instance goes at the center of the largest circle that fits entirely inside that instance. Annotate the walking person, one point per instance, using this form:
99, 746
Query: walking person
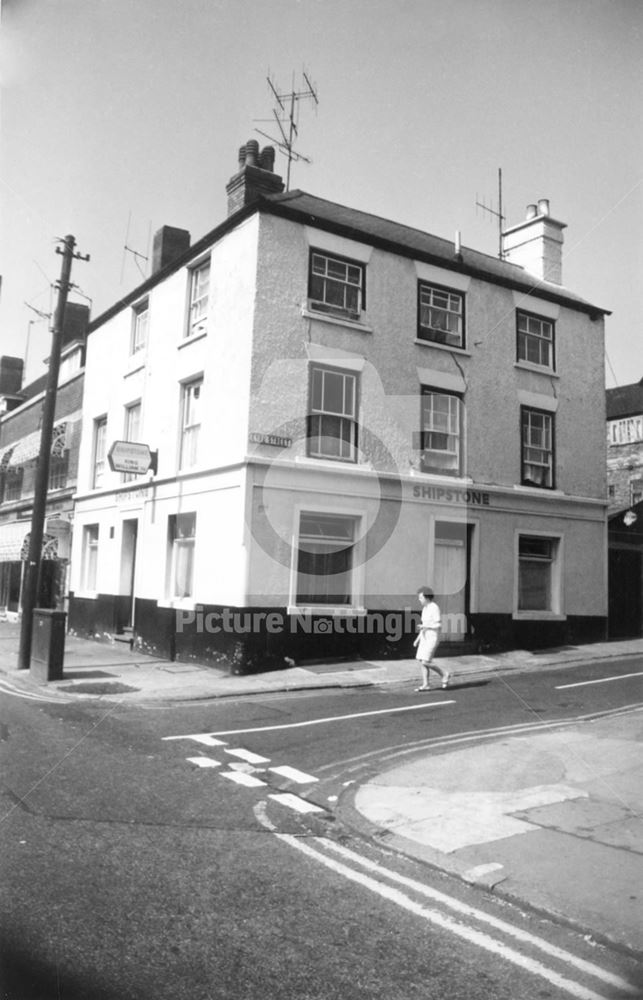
428, 638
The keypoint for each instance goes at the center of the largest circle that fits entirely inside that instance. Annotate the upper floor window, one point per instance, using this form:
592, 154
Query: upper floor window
199, 297
628, 430
336, 285
442, 429
132, 431
535, 340
440, 315
190, 422
140, 321
12, 483
100, 451
537, 439
58, 468
332, 421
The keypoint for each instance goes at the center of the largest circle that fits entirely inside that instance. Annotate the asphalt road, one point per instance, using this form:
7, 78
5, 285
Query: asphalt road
133, 871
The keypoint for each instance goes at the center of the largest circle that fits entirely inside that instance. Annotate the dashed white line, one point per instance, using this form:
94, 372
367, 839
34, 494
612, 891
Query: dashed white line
204, 761
294, 802
293, 774
205, 738
600, 680
243, 778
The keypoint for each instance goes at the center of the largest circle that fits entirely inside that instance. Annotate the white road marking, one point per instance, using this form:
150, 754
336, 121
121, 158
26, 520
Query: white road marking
294, 802
601, 680
487, 918
205, 737
247, 755
204, 762
293, 774
243, 778
469, 934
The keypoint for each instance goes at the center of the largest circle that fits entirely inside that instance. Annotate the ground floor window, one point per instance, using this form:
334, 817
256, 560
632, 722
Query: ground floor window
89, 557
181, 538
537, 573
325, 559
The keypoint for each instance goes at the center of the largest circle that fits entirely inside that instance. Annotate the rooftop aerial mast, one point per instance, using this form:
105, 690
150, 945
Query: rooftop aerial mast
286, 115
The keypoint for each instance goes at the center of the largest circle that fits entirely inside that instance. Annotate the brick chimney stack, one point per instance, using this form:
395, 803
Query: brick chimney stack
168, 245
537, 244
255, 177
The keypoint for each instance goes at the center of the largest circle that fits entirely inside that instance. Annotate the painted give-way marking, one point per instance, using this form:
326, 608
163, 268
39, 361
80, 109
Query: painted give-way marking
209, 738
601, 680
321, 850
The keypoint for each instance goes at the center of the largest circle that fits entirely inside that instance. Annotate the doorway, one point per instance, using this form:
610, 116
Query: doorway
128, 573
451, 577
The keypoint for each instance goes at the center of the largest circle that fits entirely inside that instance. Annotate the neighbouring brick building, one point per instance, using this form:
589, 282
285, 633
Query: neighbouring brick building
624, 445
20, 425
625, 497
344, 408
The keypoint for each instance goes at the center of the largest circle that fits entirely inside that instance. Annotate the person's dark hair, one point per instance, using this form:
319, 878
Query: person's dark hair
426, 592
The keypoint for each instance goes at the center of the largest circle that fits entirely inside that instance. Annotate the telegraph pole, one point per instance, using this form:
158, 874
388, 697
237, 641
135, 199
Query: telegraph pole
32, 569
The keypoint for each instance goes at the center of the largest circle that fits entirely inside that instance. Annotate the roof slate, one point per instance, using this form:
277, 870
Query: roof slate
624, 400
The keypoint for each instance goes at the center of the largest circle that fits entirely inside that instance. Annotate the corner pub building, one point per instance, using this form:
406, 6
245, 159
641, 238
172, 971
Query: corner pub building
344, 409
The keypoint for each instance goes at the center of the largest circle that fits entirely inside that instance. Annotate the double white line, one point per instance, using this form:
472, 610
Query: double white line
385, 882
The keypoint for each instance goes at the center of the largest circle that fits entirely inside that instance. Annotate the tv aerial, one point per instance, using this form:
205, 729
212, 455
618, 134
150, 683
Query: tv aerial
496, 212
286, 116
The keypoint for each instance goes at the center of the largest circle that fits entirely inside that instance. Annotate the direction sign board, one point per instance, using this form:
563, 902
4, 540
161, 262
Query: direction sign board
131, 456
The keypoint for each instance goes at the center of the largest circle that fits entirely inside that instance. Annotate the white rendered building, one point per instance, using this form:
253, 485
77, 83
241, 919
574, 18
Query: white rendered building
344, 409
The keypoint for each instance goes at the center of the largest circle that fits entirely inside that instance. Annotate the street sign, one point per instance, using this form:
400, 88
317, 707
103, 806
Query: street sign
131, 456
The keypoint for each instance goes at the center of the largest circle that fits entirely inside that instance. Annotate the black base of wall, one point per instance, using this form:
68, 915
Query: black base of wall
253, 640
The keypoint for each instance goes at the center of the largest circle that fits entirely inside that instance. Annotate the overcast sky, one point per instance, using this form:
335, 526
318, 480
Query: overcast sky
120, 116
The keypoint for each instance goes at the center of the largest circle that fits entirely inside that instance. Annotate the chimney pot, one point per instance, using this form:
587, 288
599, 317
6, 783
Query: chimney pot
543, 206
252, 152
267, 158
242, 156
532, 211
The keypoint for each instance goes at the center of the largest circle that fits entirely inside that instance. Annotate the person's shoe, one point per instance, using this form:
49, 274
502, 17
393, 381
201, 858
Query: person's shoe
446, 680
423, 688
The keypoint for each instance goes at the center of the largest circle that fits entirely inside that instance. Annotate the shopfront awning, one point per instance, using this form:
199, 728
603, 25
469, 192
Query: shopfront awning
28, 447
14, 542
12, 537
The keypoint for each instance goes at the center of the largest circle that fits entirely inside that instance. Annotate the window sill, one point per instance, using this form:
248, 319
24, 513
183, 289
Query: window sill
443, 347
135, 365
538, 369
331, 463
336, 320
539, 616
548, 491
328, 610
191, 339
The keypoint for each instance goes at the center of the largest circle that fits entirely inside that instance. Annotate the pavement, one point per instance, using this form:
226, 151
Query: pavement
550, 819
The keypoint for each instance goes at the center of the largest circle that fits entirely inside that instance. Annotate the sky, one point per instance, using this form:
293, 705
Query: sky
121, 116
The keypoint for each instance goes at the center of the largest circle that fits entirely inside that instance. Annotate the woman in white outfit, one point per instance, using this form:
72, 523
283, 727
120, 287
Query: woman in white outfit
428, 638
